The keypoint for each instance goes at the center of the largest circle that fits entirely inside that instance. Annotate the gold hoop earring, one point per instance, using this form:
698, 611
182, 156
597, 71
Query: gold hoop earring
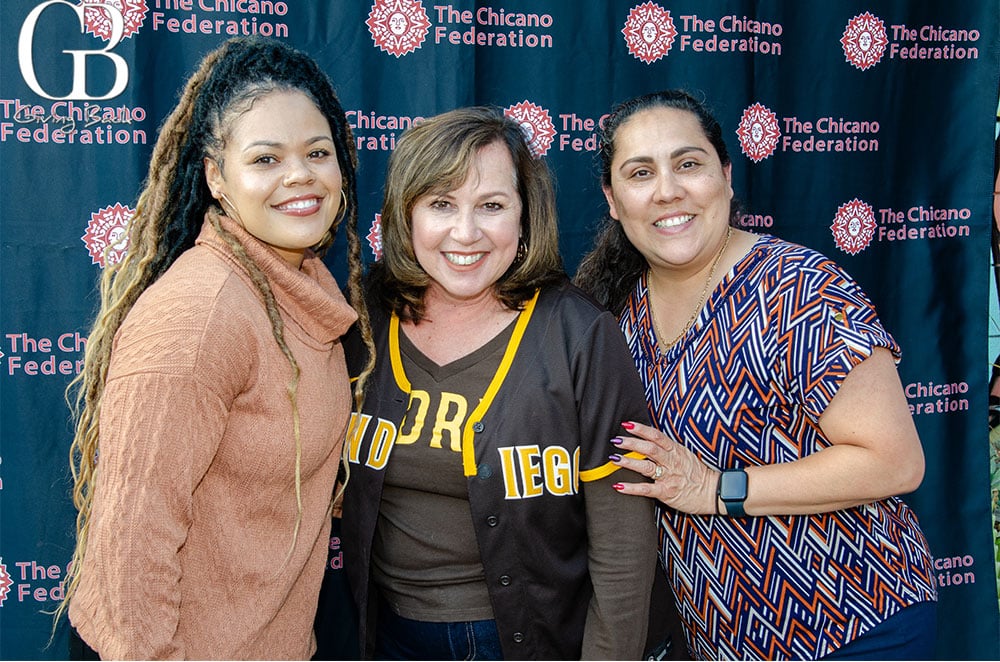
342, 212
231, 212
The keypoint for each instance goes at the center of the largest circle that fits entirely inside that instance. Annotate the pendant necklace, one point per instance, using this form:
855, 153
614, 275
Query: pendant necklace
662, 349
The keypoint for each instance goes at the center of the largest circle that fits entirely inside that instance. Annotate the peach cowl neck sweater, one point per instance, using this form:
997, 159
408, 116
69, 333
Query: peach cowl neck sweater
192, 550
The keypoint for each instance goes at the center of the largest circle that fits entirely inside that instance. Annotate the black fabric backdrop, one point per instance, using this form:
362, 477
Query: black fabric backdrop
861, 129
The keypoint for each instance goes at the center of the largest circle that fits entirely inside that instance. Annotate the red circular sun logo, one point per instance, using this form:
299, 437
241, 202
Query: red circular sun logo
5, 582
864, 40
98, 16
398, 26
758, 132
537, 125
853, 226
106, 237
374, 237
649, 32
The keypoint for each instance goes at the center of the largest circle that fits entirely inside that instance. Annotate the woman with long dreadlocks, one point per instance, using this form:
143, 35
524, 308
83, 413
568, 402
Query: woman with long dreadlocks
214, 400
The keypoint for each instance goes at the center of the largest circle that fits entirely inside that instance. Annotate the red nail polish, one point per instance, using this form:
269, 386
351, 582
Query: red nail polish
618, 486
628, 425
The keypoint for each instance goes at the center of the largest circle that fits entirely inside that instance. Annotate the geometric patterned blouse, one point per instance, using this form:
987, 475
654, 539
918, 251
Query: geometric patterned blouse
746, 386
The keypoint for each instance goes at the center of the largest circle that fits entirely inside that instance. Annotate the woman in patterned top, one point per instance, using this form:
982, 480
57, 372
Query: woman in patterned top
756, 355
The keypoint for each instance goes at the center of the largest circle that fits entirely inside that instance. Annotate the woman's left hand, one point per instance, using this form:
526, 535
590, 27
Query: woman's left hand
679, 479
873, 453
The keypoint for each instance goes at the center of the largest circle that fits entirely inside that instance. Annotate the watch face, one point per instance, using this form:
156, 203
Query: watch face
733, 486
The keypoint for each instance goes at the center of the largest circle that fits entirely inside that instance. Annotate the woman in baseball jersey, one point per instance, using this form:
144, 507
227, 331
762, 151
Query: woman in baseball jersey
782, 435
480, 520
215, 397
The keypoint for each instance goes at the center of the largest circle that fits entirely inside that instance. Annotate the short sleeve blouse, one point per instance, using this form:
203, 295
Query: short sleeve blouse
746, 386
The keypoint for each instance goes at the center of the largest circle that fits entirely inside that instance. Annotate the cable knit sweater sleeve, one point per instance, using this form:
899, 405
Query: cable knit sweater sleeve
178, 362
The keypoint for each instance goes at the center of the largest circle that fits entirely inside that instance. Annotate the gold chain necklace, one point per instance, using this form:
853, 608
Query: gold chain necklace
704, 295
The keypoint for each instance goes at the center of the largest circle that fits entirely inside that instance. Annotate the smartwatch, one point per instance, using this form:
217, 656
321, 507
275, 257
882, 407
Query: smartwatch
733, 491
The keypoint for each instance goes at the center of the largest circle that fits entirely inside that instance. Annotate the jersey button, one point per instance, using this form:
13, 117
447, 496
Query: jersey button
504, 580
492, 520
478, 426
518, 637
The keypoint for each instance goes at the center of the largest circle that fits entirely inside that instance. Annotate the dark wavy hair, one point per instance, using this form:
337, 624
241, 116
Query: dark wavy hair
436, 155
610, 270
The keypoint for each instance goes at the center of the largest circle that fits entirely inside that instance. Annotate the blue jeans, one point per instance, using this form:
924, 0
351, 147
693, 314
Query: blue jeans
910, 634
398, 638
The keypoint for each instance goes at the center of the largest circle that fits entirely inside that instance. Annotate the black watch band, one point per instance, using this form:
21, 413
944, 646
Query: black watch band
733, 491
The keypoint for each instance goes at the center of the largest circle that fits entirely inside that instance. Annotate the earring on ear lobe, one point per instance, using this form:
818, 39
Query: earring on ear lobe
522, 251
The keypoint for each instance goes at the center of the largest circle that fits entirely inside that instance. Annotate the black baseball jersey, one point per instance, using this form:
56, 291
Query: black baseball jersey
564, 385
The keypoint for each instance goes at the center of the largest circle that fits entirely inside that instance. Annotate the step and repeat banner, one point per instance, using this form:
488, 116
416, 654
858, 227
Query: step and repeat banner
863, 129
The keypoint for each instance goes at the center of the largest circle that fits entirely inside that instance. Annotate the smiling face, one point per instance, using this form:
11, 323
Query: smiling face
466, 238
669, 189
278, 173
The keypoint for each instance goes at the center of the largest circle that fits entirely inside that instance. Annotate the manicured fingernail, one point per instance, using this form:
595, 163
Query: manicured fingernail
628, 425
614, 457
616, 441
618, 486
